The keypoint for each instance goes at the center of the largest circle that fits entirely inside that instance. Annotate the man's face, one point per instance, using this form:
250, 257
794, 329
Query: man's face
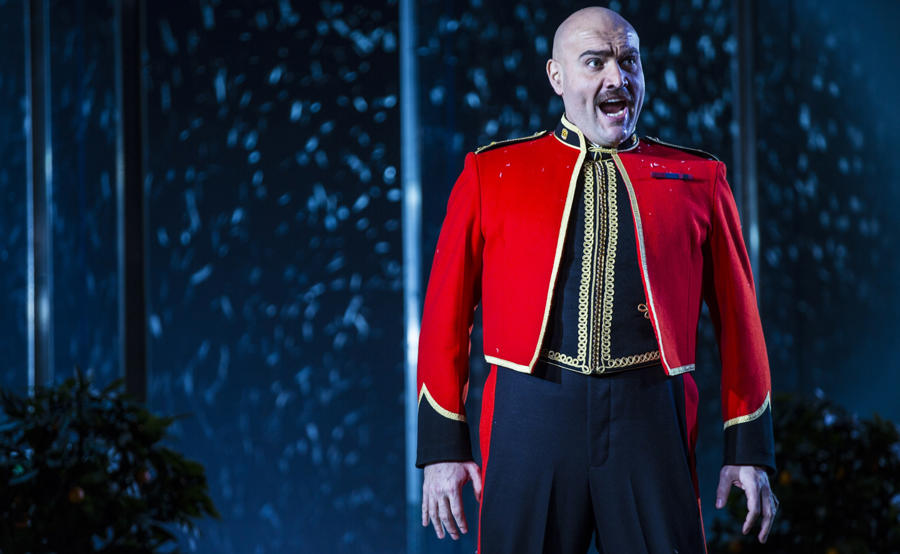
596, 68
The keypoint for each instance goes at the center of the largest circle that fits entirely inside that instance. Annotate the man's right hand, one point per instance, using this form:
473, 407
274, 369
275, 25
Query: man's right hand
442, 496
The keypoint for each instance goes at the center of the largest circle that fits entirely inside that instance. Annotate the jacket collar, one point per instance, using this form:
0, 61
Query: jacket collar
569, 134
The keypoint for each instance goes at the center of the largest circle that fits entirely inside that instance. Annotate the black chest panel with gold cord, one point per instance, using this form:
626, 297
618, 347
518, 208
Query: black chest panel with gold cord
599, 321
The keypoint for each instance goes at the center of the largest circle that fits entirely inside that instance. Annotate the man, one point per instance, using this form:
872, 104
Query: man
590, 251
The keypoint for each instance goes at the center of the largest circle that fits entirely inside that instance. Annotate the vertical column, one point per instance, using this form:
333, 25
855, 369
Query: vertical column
40, 194
745, 143
130, 215
412, 264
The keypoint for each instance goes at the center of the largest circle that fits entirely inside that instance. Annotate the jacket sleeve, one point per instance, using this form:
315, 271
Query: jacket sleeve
729, 292
454, 290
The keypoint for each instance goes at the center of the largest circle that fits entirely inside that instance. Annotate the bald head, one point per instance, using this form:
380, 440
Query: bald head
587, 21
596, 69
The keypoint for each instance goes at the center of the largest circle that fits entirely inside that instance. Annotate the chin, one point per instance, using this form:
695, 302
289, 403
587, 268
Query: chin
624, 133
613, 138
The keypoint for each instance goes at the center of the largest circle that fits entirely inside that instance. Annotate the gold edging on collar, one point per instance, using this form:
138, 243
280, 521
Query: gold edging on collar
564, 142
583, 142
605, 150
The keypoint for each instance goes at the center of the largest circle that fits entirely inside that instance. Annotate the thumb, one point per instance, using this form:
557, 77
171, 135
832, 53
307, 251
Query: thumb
475, 474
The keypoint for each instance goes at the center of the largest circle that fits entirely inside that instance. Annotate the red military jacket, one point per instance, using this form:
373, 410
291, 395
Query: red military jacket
501, 243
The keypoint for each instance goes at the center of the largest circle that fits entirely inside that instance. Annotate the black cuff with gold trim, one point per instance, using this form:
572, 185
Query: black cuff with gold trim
752, 443
441, 439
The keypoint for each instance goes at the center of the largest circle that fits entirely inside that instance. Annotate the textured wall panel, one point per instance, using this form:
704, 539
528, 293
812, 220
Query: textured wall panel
13, 191
275, 274
829, 195
83, 120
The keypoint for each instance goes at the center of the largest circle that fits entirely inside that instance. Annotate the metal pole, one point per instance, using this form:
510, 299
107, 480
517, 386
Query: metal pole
130, 213
39, 201
745, 144
410, 171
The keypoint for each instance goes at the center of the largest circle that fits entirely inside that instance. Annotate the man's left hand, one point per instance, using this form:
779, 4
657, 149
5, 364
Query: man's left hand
760, 498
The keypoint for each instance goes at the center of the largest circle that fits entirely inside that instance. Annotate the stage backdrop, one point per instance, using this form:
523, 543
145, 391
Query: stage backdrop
13, 218
272, 187
275, 266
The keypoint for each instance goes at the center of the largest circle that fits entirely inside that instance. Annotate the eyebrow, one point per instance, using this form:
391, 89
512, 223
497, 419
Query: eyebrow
608, 53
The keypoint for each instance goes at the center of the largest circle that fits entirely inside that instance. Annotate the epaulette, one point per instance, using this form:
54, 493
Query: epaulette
693, 151
500, 143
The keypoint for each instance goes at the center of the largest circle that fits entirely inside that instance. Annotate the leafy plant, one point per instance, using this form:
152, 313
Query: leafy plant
838, 483
82, 470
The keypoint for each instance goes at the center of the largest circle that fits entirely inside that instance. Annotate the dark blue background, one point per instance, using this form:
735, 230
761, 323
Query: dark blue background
273, 193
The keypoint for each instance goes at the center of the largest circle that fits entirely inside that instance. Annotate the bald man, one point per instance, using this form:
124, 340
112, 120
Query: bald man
590, 251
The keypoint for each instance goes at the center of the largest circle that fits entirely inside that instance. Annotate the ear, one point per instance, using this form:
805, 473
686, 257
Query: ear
555, 75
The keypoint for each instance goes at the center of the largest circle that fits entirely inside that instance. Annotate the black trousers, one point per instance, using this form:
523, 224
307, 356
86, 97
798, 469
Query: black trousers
568, 457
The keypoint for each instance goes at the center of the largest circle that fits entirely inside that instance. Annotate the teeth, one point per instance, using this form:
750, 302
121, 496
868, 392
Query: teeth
615, 114
619, 113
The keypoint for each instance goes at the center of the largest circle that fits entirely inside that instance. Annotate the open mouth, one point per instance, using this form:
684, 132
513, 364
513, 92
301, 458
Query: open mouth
614, 108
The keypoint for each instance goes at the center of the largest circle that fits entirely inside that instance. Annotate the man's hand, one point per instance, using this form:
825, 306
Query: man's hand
442, 496
755, 482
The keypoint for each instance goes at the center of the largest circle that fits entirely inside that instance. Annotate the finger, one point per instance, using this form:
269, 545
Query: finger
456, 508
433, 516
425, 499
446, 517
752, 491
723, 490
477, 483
768, 510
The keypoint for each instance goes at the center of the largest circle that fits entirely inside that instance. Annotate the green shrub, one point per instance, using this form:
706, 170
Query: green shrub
838, 483
82, 471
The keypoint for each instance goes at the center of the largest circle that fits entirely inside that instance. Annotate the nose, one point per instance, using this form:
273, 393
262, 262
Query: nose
615, 78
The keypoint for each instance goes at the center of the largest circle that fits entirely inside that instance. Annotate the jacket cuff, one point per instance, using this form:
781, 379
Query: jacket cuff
751, 443
441, 439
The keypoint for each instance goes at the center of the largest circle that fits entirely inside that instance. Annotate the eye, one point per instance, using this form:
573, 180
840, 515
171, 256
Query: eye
594, 63
630, 61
